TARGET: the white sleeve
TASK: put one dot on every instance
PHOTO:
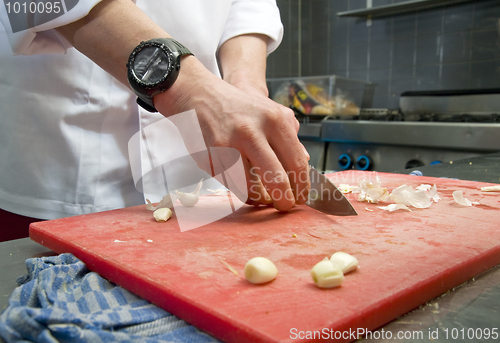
(43, 39)
(254, 16)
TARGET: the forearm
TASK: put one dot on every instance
(109, 33)
(243, 62)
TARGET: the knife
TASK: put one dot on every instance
(326, 197)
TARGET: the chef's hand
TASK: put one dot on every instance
(264, 132)
(243, 62)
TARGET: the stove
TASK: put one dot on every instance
(429, 128)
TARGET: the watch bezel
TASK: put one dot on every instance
(166, 79)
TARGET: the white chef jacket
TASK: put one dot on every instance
(65, 123)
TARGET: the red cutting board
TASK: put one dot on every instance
(406, 258)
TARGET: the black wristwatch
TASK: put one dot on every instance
(153, 67)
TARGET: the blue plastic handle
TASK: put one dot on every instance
(367, 162)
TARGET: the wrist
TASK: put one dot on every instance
(174, 100)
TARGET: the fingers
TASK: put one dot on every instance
(293, 157)
(257, 194)
(278, 160)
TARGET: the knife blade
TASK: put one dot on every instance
(326, 197)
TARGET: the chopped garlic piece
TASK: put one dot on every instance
(190, 199)
(371, 192)
(423, 187)
(162, 214)
(327, 274)
(347, 262)
(345, 188)
(394, 207)
(260, 270)
(458, 196)
(491, 189)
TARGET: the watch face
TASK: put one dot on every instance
(151, 65)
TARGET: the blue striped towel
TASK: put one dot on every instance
(60, 300)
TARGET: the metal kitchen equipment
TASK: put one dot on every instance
(429, 128)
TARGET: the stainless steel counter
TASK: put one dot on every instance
(387, 146)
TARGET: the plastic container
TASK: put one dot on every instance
(322, 95)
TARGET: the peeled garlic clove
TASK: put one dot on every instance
(189, 199)
(347, 262)
(260, 270)
(162, 214)
(327, 274)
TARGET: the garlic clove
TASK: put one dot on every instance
(162, 214)
(189, 199)
(260, 270)
(347, 262)
(326, 274)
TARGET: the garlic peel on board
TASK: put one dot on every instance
(490, 189)
(394, 207)
(410, 197)
(459, 198)
(190, 199)
(165, 202)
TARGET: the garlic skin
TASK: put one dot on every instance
(410, 197)
(394, 207)
(162, 214)
(190, 199)
(166, 201)
(347, 262)
(260, 270)
(326, 274)
(459, 198)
